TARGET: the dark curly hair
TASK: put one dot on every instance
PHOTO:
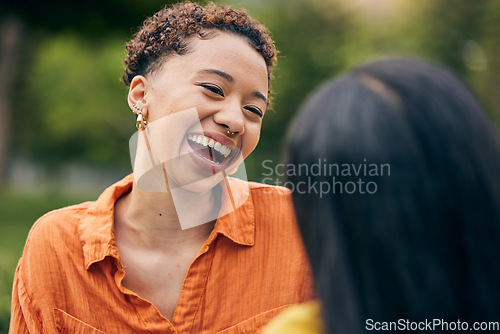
(167, 31)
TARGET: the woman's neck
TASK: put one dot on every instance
(151, 221)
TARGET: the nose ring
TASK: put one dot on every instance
(229, 131)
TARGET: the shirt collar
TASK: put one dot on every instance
(238, 224)
(96, 228)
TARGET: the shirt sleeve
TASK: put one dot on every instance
(23, 317)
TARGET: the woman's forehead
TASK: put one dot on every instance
(226, 46)
(225, 52)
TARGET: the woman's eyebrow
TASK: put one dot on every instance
(222, 74)
(230, 78)
(261, 96)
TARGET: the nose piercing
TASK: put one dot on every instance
(229, 131)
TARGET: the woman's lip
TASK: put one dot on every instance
(203, 163)
(224, 140)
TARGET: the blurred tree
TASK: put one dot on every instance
(308, 35)
(318, 39)
(464, 36)
(11, 32)
(76, 113)
(489, 87)
(445, 30)
(93, 19)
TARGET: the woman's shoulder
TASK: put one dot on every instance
(56, 227)
(267, 188)
(53, 242)
(267, 202)
(262, 189)
(270, 198)
(62, 216)
(63, 226)
(263, 196)
(257, 187)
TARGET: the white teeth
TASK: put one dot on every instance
(226, 151)
(205, 141)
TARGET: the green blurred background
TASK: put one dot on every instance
(65, 123)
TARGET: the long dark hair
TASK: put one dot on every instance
(421, 242)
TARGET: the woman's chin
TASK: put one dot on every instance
(195, 186)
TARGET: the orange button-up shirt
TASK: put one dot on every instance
(69, 278)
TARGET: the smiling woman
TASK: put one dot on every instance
(188, 249)
(225, 79)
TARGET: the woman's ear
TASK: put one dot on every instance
(137, 94)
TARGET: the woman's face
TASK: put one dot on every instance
(226, 81)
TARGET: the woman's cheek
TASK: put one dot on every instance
(251, 140)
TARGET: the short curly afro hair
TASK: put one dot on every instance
(167, 31)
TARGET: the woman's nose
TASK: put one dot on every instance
(232, 118)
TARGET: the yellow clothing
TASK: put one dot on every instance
(298, 319)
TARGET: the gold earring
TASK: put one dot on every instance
(140, 122)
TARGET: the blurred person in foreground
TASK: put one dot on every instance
(418, 243)
(177, 246)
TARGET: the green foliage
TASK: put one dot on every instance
(92, 19)
(74, 106)
(308, 39)
(318, 39)
(6, 274)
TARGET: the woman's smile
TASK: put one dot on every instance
(211, 151)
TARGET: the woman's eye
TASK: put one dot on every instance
(214, 89)
(254, 110)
